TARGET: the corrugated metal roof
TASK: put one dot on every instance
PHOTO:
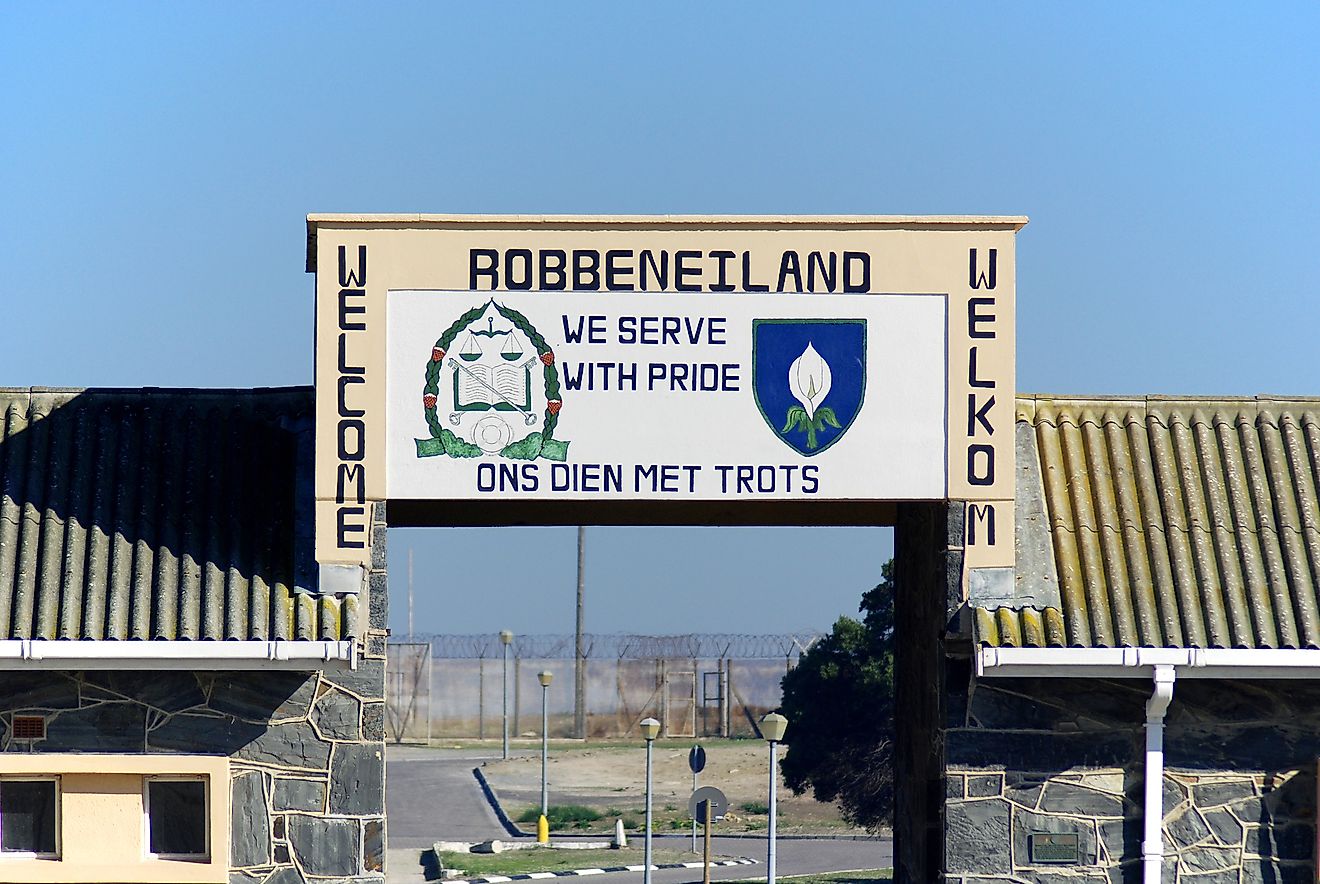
(1173, 523)
(160, 514)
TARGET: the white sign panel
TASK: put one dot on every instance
(505, 395)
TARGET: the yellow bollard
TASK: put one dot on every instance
(543, 830)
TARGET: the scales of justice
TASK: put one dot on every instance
(490, 381)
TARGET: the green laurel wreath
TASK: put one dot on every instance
(530, 447)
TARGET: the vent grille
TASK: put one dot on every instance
(29, 727)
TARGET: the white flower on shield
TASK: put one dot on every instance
(809, 379)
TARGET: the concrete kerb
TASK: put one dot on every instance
(503, 817)
(569, 873)
(761, 836)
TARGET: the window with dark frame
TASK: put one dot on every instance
(177, 818)
(28, 816)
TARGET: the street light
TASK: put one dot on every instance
(506, 639)
(773, 726)
(650, 730)
(543, 825)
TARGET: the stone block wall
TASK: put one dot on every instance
(307, 750)
(1066, 756)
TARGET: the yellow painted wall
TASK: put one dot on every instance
(102, 827)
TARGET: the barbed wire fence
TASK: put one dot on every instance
(696, 685)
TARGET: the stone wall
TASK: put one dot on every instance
(307, 749)
(1066, 756)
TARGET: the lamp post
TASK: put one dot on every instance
(650, 730)
(773, 726)
(506, 639)
(543, 825)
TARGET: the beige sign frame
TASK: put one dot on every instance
(359, 259)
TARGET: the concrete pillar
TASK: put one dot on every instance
(928, 577)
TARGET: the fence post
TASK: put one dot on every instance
(723, 679)
(517, 692)
(481, 698)
(664, 697)
(728, 680)
(696, 674)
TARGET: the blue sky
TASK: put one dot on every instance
(156, 162)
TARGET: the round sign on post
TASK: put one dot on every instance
(697, 759)
(708, 794)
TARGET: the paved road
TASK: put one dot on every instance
(431, 795)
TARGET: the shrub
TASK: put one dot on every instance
(755, 807)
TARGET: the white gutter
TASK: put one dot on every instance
(1152, 845)
(18, 654)
(1141, 662)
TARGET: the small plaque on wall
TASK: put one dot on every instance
(1052, 847)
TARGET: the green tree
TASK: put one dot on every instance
(839, 702)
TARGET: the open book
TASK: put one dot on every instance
(503, 387)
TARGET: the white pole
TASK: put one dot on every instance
(505, 753)
(770, 850)
(545, 745)
(694, 819)
(646, 853)
(1152, 845)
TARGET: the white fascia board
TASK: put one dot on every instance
(1141, 662)
(301, 655)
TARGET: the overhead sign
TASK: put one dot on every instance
(712, 361)
(517, 395)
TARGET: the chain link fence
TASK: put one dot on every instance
(696, 685)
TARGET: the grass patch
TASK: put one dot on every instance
(561, 816)
(755, 807)
(546, 859)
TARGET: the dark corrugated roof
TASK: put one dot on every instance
(1170, 523)
(160, 514)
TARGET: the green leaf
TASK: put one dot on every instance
(796, 415)
(527, 448)
(554, 449)
(826, 414)
(429, 447)
(456, 447)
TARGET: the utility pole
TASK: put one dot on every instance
(410, 595)
(579, 652)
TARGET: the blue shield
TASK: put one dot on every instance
(809, 377)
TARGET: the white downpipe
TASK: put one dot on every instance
(1152, 844)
